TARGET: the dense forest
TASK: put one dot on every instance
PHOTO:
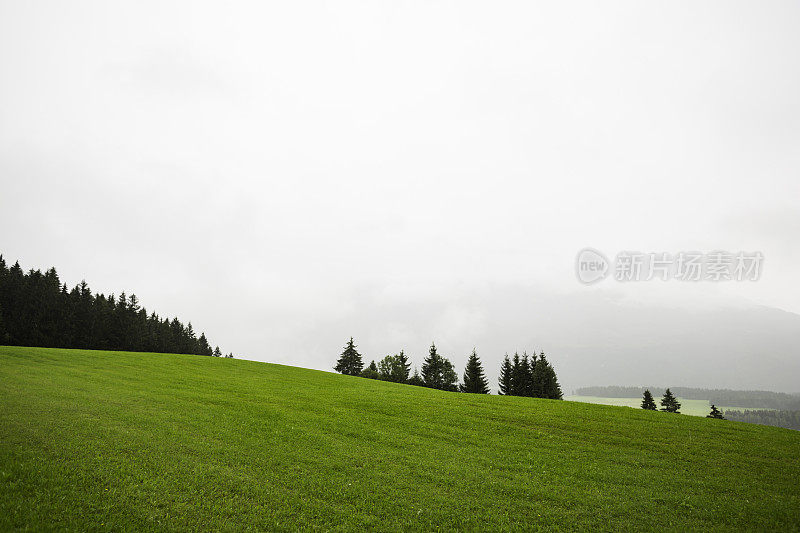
(37, 309)
(728, 397)
(523, 376)
(784, 419)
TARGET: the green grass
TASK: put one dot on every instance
(93, 440)
(688, 407)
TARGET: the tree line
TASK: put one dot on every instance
(780, 418)
(37, 309)
(534, 376)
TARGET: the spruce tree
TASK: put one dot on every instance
(517, 376)
(505, 376)
(406, 364)
(545, 379)
(648, 402)
(416, 379)
(670, 403)
(203, 347)
(350, 361)
(438, 372)
(474, 378)
(217, 353)
(533, 386)
(715, 413)
(526, 379)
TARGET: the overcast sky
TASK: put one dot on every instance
(265, 170)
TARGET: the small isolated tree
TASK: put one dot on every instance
(416, 379)
(670, 403)
(715, 413)
(474, 378)
(371, 371)
(438, 372)
(217, 353)
(648, 402)
(229, 356)
(505, 376)
(350, 362)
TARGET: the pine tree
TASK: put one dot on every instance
(229, 356)
(474, 378)
(403, 359)
(545, 379)
(416, 379)
(715, 413)
(517, 376)
(350, 361)
(533, 386)
(648, 402)
(438, 372)
(526, 378)
(670, 403)
(217, 353)
(203, 347)
(505, 376)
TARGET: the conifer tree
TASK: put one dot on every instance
(670, 403)
(203, 347)
(715, 413)
(474, 378)
(648, 402)
(517, 376)
(533, 386)
(350, 362)
(416, 379)
(438, 372)
(217, 353)
(526, 378)
(403, 359)
(545, 379)
(506, 371)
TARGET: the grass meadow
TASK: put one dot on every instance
(113, 441)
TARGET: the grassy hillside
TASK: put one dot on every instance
(96, 440)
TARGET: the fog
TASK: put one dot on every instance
(288, 176)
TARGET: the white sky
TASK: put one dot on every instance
(257, 168)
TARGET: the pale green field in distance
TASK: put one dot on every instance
(688, 407)
(120, 441)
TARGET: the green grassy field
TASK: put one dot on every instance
(688, 407)
(94, 440)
